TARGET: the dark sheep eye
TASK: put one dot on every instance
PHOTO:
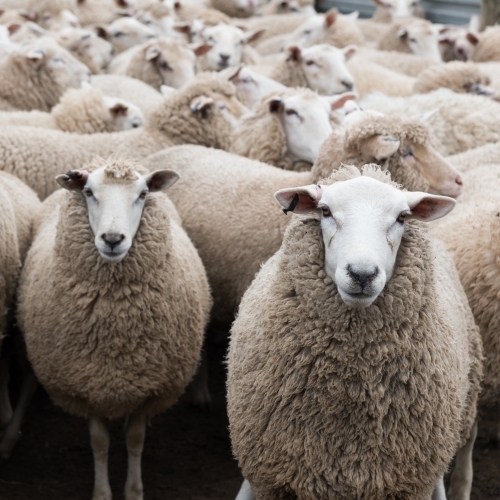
(88, 193)
(408, 151)
(290, 112)
(118, 34)
(164, 66)
(326, 212)
(401, 217)
(310, 63)
(143, 194)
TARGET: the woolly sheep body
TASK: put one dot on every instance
(488, 47)
(318, 392)
(143, 347)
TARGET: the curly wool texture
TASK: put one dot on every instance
(488, 48)
(326, 401)
(456, 75)
(109, 339)
(346, 147)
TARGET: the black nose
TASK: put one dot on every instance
(348, 85)
(224, 57)
(112, 240)
(362, 278)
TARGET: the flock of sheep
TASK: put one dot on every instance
(141, 143)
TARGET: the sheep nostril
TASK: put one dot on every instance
(459, 181)
(224, 57)
(112, 240)
(348, 85)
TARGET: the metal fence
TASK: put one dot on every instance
(438, 11)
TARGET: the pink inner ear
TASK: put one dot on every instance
(428, 207)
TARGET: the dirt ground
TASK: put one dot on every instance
(187, 454)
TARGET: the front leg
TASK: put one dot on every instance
(99, 439)
(439, 492)
(135, 434)
(245, 492)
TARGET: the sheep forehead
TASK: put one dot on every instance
(115, 173)
(323, 51)
(225, 32)
(307, 102)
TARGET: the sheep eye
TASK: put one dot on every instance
(401, 217)
(310, 63)
(326, 212)
(118, 34)
(306, 32)
(164, 65)
(413, 40)
(88, 193)
(143, 194)
(211, 40)
(408, 151)
(291, 112)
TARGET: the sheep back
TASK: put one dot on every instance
(107, 340)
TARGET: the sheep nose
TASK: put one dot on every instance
(112, 240)
(348, 85)
(459, 181)
(224, 57)
(362, 278)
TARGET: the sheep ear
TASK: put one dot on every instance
(295, 53)
(381, 3)
(428, 207)
(338, 101)
(253, 36)
(299, 200)
(425, 117)
(118, 109)
(101, 32)
(472, 38)
(122, 3)
(230, 73)
(402, 32)
(201, 103)
(73, 180)
(161, 180)
(152, 53)
(349, 51)
(28, 15)
(183, 27)
(331, 17)
(166, 91)
(474, 23)
(200, 50)
(36, 56)
(380, 147)
(12, 28)
(275, 105)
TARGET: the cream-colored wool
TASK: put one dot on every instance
(136, 62)
(235, 8)
(82, 111)
(328, 401)
(130, 89)
(488, 48)
(54, 14)
(343, 32)
(462, 121)
(189, 11)
(92, 12)
(241, 228)
(31, 79)
(373, 31)
(392, 42)
(470, 159)
(138, 345)
(50, 152)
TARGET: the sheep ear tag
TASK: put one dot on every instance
(300, 200)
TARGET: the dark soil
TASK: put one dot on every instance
(187, 455)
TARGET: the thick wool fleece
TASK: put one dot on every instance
(274, 25)
(189, 11)
(488, 48)
(51, 152)
(326, 401)
(470, 159)
(229, 8)
(343, 32)
(52, 6)
(347, 147)
(456, 75)
(391, 41)
(462, 122)
(109, 339)
(24, 86)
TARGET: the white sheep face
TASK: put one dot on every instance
(56, 22)
(123, 115)
(362, 222)
(398, 9)
(115, 206)
(310, 32)
(126, 32)
(422, 39)
(325, 68)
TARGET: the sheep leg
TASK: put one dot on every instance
(461, 478)
(12, 432)
(99, 439)
(5, 406)
(439, 491)
(245, 492)
(135, 434)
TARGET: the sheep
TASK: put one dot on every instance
(125, 32)
(111, 242)
(124, 87)
(320, 67)
(19, 205)
(482, 155)
(87, 47)
(233, 248)
(159, 17)
(235, 8)
(228, 47)
(318, 385)
(485, 44)
(287, 128)
(389, 11)
(36, 75)
(413, 36)
(159, 62)
(55, 15)
(458, 121)
(190, 11)
(83, 111)
(275, 7)
(92, 12)
(203, 112)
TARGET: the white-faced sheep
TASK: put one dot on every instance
(111, 242)
(233, 244)
(159, 62)
(389, 11)
(485, 44)
(413, 36)
(275, 7)
(235, 8)
(83, 111)
(203, 112)
(336, 354)
(36, 75)
(287, 128)
(19, 206)
(320, 67)
(54, 15)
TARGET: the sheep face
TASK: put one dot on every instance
(115, 204)
(422, 39)
(398, 9)
(55, 22)
(310, 32)
(228, 43)
(362, 221)
(126, 32)
(123, 115)
(324, 67)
